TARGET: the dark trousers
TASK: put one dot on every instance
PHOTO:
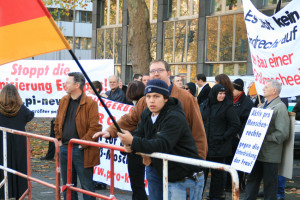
(51, 146)
(228, 181)
(262, 171)
(136, 170)
(216, 190)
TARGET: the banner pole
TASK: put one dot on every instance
(95, 91)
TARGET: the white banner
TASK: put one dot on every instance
(41, 82)
(274, 42)
(102, 171)
(252, 139)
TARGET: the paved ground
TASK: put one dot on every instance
(45, 170)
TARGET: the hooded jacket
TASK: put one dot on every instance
(221, 123)
(192, 116)
(169, 134)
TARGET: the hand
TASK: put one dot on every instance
(146, 160)
(104, 95)
(125, 137)
(128, 148)
(104, 134)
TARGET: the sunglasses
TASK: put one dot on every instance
(186, 88)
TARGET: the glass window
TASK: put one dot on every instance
(226, 36)
(231, 4)
(184, 7)
(83, 43)
(216, 5)
(100, 44)
(105, 13)
(89, 43)
(173, 6)
(214, 69)
(153, 41)
(66, 16)
(70, 41)
(77, 43)
(242, 69)
(180, 30)
(192, 40)
(241, 41)
(154, 14)
(89, 17)
(113, 12)
(118, 45)
(109, 43)
(182, 71)
(228, 69)
(212, 39)
(168, 42)
(193, 73)
(120, 11)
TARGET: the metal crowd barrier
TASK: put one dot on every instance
(163, 156)
(28, 193)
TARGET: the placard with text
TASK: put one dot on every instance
(252, 139)
(41, 83)
(274, 45)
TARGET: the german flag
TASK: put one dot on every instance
(27, 29)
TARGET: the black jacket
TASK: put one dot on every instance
(221, 124)
(169, 134)
(242, 108)
(203, 94)
(296, 110)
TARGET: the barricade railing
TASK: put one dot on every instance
(28, 176)
(163, 156)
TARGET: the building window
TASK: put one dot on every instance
(61, 14)
(183, 8)
(186, 72)
(180, 41)
(231, 69)
(109, 44)
(221, 6)
(226, 39)
(152, 7)
(82, 43)
(83, 16)
(112, 12)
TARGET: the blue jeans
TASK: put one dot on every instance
(281, 186)
(155, 184)
(85, 174)
(177, 190)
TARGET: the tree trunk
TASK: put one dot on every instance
(139, 35)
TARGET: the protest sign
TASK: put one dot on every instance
(273, 42)
(102, 171)
(41, 83)
(252, 139)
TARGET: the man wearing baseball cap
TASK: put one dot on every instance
(163, 128)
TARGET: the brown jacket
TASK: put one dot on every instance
(87, 124)
(192, 114)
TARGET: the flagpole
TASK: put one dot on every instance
(94, 89)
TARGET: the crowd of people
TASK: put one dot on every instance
(192, 120)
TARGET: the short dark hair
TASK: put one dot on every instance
(137, 76)
(167, 66)
(202, 77)
(78, 78)
(97, 85)
(135, 90)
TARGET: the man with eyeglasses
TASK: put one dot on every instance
(159, 69)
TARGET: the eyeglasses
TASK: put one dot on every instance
(157, 70)
(186, 88)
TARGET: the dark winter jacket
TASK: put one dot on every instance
(203, 94)
(169, 134)
(221, 124)
(296, 110)
(242, 108)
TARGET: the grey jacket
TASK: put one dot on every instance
(277, 133)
